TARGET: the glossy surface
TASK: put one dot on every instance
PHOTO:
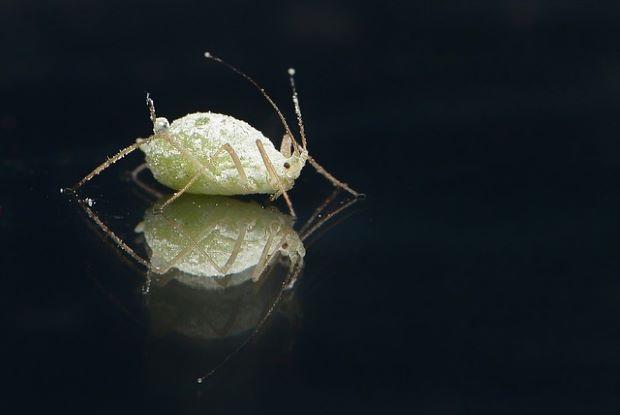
(481, 275)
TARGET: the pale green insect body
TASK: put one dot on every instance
(195, 143)
(216, 154)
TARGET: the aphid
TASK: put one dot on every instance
(216, 154)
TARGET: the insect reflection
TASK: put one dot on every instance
(217, 266)
(218, 237)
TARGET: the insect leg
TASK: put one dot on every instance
(233, 154)
(258, 269)
(236, 250)
(135, 177)
(319, 210)
(119, 242)
(274, 176)
(321, 170)
(309, 230)
(193, 245)
(225, 147)
(202, 168)
(109, 162)
(178, 193)
(122, 153)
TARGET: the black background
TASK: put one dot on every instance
(479, 276)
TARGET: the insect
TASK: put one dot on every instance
(216, 154)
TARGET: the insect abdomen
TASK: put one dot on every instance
(189, 145)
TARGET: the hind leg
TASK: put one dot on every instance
(110, 161)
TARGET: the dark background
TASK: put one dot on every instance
(479, 276)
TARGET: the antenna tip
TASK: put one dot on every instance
(208, 55)
(291, 71)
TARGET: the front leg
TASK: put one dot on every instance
(274, 176)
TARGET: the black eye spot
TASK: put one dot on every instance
(287, 166)
(284, 245)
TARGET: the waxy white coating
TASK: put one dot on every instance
(199, 136)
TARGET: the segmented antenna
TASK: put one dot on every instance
(208, 55)
(302, 130)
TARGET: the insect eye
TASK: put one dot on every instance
(287, 166)
(284, 245)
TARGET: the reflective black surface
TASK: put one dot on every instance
(480, 275)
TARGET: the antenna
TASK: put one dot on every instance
(209, 55)
(302, 130)
(151, 106)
